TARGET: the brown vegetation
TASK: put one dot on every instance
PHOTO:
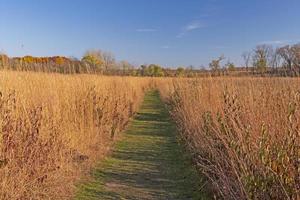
(244, 133)
(54, 126)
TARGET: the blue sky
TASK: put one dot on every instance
(166, 32)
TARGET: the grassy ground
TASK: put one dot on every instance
(147, 163)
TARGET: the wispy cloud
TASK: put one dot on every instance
(165, 47)
(274, 42)
(146, 30)
(279, 42)
(194, 25)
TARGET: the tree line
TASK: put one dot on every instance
(262, 60)
(92, 62)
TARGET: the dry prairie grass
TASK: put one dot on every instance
(53, 126)
(244, 133)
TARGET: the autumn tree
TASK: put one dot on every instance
(157, 70)
(28, 59)
(58, 60)
(180, 71)
(261, 57)
(215, 65)
(152, 70)
(94, 58)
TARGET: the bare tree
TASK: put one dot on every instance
(126, 67)
(291, 58)
(274, 60)
(247, 58)
(215, 65)
(109, 60)
(296, 51)
(229, 66)
(261, 58)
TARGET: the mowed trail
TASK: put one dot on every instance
(147, 164)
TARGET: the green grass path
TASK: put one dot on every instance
(147, 163)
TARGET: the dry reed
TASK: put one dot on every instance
(53, 126)
(244, 133)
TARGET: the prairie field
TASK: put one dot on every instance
(54, 127)
(150, 100)
(243, 133)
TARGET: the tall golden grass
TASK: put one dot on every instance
(244, 133)
(53, 126)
